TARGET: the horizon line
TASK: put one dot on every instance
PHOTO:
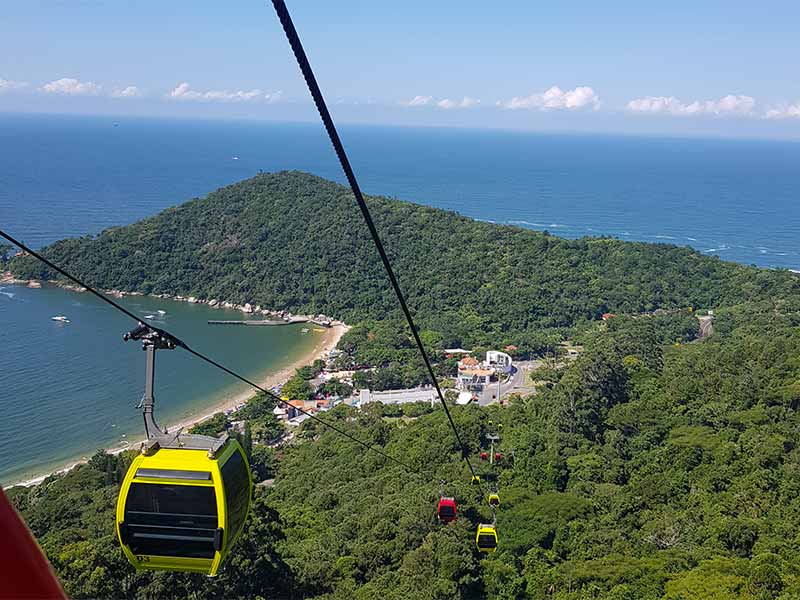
(351, 123)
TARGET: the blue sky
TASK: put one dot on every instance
(679, 68)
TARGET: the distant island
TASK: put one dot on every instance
(649, 450)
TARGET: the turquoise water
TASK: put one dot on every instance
(68, 389)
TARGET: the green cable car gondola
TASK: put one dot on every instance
(185, 498)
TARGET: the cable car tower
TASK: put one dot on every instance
(492, 456)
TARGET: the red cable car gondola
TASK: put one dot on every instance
(484, 456)
(498, 456)
(446, 510)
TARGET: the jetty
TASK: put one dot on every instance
(271, 322)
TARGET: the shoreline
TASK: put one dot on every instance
(329, 340)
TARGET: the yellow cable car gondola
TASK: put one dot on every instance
(179, 509)
(185, 498)
(494, 500)
(486, 538)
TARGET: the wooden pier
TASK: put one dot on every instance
(270, 322)
(254, 323)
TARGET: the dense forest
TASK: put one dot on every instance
(655, 466)
(648, 469)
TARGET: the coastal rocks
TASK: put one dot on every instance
(65, 286)
(247, 308)
(7, 277)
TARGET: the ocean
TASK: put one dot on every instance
(67, 176)
(69, 389)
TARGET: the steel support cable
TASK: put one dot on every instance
(181, 344)
(322, 108)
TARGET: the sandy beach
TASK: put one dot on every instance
(328, 340)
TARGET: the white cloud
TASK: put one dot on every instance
(130, 91)
(727, 105)
(555, 98)
(419, 101)
(184, 92)
(9, 86)
(792, 111)
(467, 102)
(72, 87)
(445, 103)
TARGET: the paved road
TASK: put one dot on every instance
(706, 326)
(518, 382)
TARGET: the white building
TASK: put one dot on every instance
(499, 361)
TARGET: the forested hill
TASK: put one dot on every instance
(641, 471)
(294, 241)
(644, 469)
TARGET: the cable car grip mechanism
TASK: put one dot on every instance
(154, 339)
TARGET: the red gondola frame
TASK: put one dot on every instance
(446, 510)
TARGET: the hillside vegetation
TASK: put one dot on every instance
(292, 241)
(646, 471)
(653, 467)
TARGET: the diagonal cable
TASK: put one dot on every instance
(73, 279)
(181, 344)
(322, 108)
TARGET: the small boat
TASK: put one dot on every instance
(149, 316)
(235, 158)
(60, 319)
(161, 312)
(304, 330)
